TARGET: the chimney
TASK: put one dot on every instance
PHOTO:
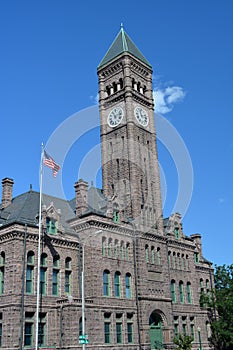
(197, 239)
(7, 187)
(81, 195)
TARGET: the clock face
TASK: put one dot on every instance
(141, 116)
(115, 117)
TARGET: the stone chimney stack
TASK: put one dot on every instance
(7, 187)
(197, 239)
(81, 194)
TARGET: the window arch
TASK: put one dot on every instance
(68, 272)
(189, 293)
(117, 284)
(181, 291)
(30, 272)
(2, 272)
(173, 290)
(128, 283)
(106, 283)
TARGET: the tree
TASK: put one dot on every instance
(221, 308)
(184, 342)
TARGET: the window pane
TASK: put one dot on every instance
(130, 332)
(107, 332)
(119, 332)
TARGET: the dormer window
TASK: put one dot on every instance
(51, 225)
(177, 232)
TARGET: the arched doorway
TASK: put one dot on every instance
(156, 331)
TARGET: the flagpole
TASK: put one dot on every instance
(39, 249)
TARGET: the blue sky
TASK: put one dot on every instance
(49, 54)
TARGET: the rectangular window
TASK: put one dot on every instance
(42, 281)
(130, 332)
(107, 328)
(41, 329)
(192, 331)
(107, 338)
(196, 258)
(1, 280)
(28, 328)
(176, 325)
(117, 288)
(119, 332)
(29, 279)
(128, 293)
(67, 281)
(55, 282)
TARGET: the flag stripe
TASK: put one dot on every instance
(50, 162)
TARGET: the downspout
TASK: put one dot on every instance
(23, 289)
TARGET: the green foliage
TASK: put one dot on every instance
(184, 342)
(221, 312)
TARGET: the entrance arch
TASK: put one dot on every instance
(156, 331)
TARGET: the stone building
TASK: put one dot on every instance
(143, 277)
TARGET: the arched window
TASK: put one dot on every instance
(173, 291)
(109, 246)
(56, 266)
(127, 251)
(30, 272)
(189, 293)
(169, 258)
(43, 273)
(116, 248)
(178, 261)
(2, 272)
(103, 246)
(68, 272)
(128, 290)
(147, 253)
(152, 255)
(187, 262)
(117, 284)
(106, 283)
(177, 232)
(158, 256)
(182, 262)
(122, 250)
(181, 291)
(174, 260)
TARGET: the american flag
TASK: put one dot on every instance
(50, 162)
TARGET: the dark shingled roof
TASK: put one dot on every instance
(25, 207)
(121, 44)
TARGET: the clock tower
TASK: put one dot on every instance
(130, 171)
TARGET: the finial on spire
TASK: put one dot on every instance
(122, 26)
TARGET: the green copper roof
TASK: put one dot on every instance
(123, 43)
